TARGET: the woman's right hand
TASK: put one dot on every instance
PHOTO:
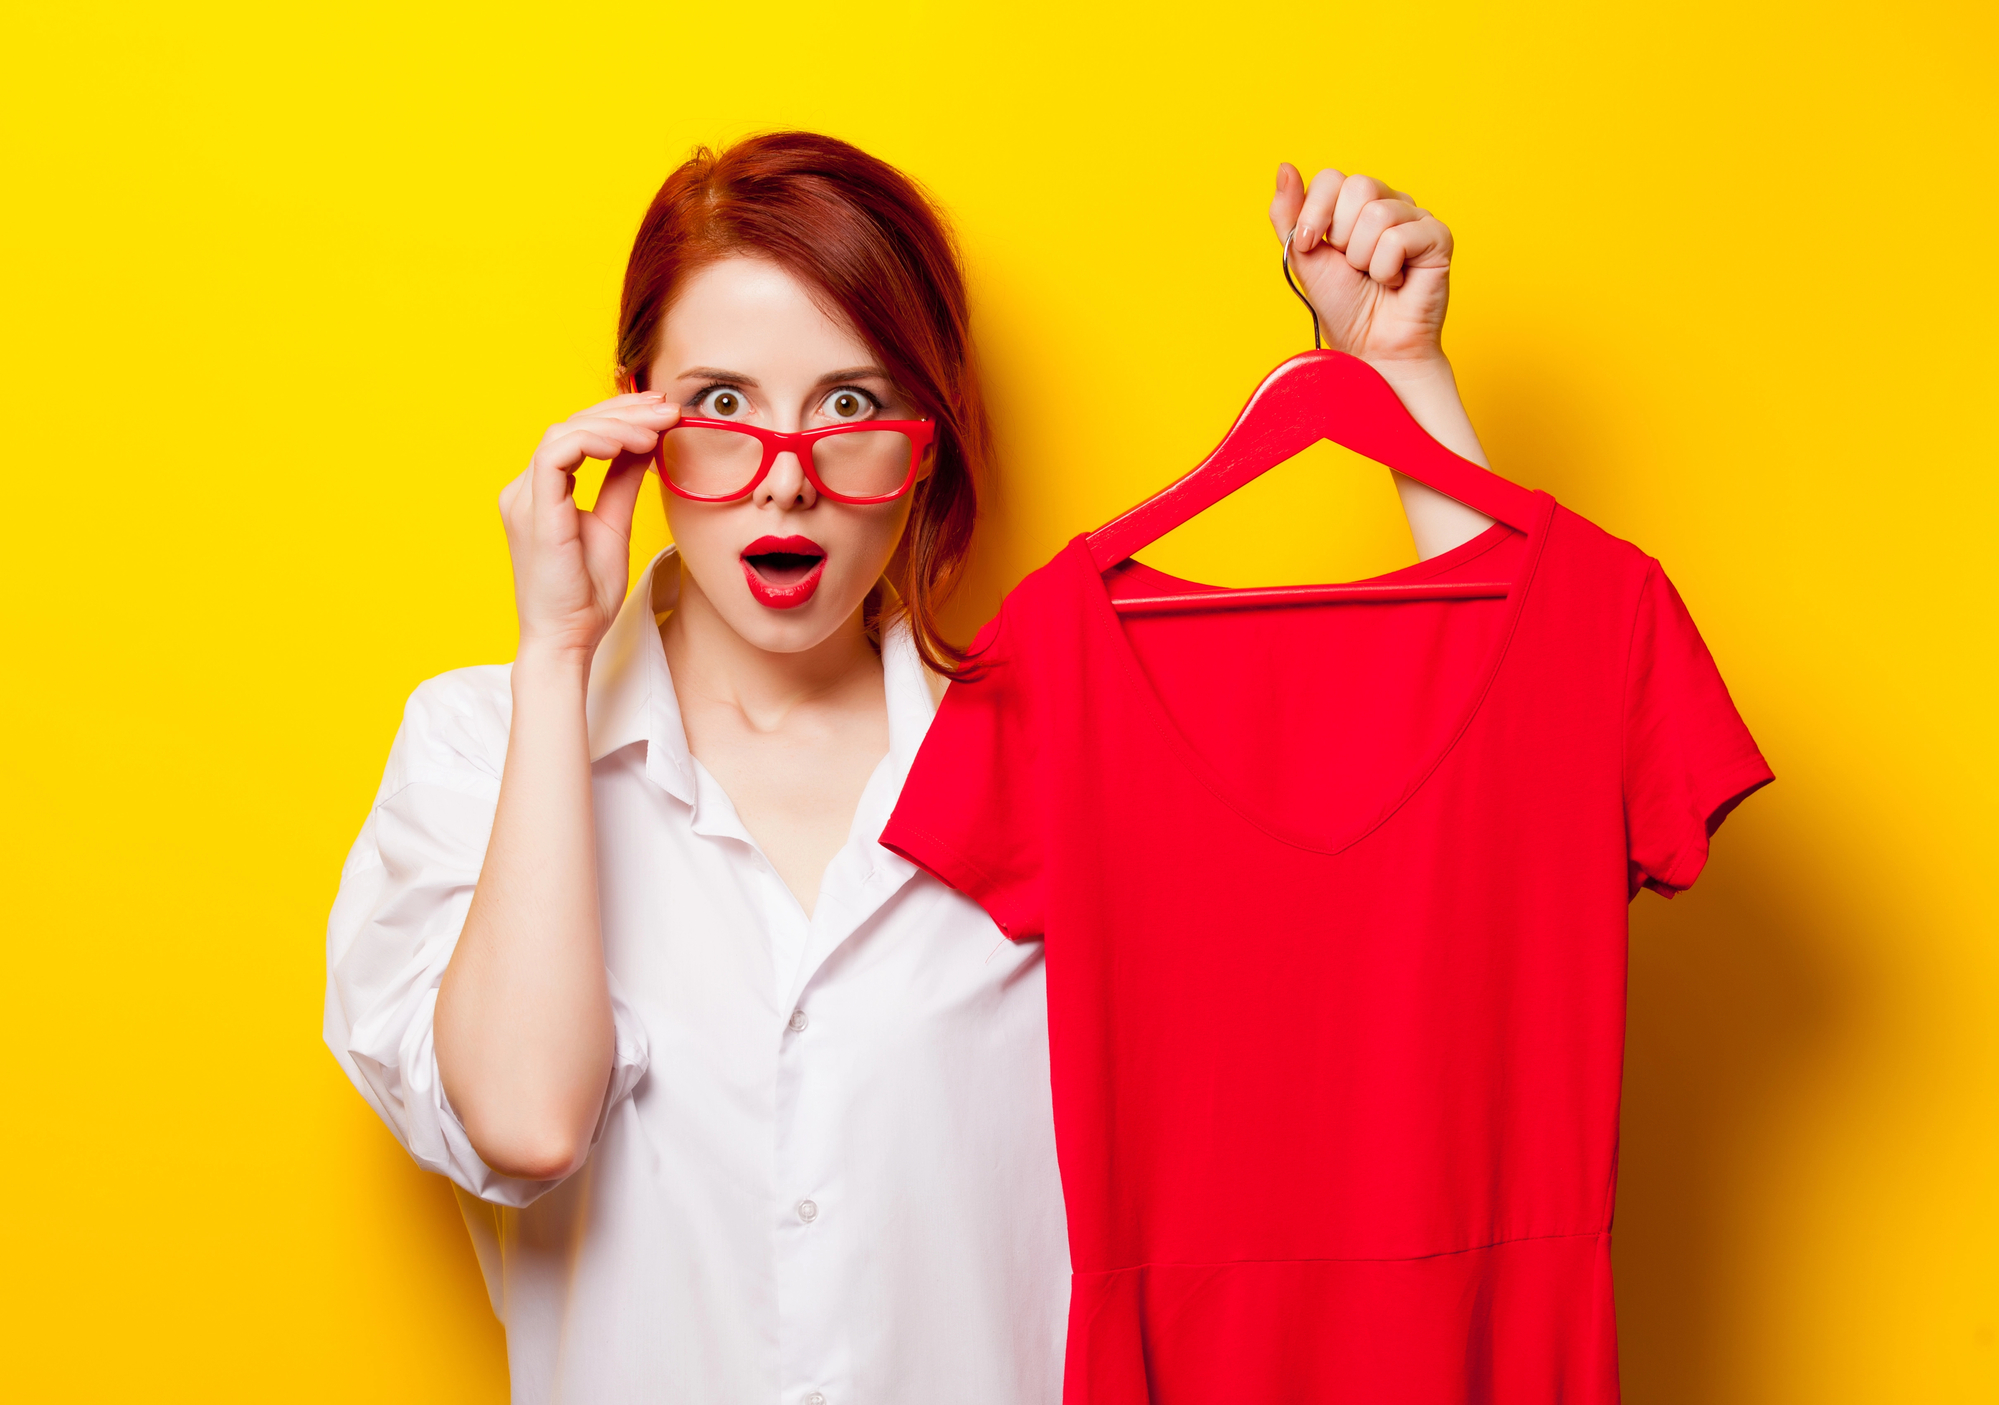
(571, 566)
(524, 1028)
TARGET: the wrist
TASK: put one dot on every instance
(1429, 366)
(545, 663)
(1428, 390)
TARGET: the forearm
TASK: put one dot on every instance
(1429, 391)
(523, 1028)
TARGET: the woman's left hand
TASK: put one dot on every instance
(1376, 266)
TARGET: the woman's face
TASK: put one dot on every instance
(783, 566)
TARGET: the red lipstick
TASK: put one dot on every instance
(783, 571)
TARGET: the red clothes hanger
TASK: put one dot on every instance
(1315, 395)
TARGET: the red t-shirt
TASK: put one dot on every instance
(1334, 901)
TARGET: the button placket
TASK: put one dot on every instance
(806, 1257)
(814, 1249)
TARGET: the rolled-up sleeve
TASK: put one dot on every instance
(403, 896)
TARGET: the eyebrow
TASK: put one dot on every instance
(713, 373)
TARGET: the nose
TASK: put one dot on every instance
(786, 485)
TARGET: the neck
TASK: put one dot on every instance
(713, 664)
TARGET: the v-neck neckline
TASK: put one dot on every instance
(1104, 611)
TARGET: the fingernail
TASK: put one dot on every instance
(1305, 240)
(1280, 175)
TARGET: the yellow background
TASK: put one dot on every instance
(291, 290)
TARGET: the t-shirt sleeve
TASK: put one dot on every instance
(1688, 758)
(968, 809)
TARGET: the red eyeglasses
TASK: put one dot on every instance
(868, 461)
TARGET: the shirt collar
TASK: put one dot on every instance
(631, 697)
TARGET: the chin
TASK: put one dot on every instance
(793, 629)
(791, 637)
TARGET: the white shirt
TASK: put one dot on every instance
(825, 1173)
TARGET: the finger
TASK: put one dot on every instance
(617, 500)
(638, 426)
(569, 443)
(1422, 243)
(653, 414)
(639, 429)
(555, 474)
(642, 399)
(1288, 201)
(518, 490)
(1355, 196)
(1368, 224)
(1317, 211)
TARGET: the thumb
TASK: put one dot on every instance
(617, 500)
(1288, 201)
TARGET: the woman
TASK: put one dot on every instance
(741, 1105)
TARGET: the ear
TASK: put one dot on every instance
(927, 463)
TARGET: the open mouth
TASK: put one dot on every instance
(783, 571)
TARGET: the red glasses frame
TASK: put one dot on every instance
(921, 434)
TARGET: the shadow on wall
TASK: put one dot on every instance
(1736, 1007)
(411, 1241)
(1740, 1008)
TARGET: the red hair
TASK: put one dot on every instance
(867, 238)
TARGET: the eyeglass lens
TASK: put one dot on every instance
(716, 463)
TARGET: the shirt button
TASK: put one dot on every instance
(798, 1023)
(807, 1211)
(815, 1399)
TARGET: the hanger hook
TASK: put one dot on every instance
(1294, 288)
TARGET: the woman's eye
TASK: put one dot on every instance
(721, 404)
(847, 405)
